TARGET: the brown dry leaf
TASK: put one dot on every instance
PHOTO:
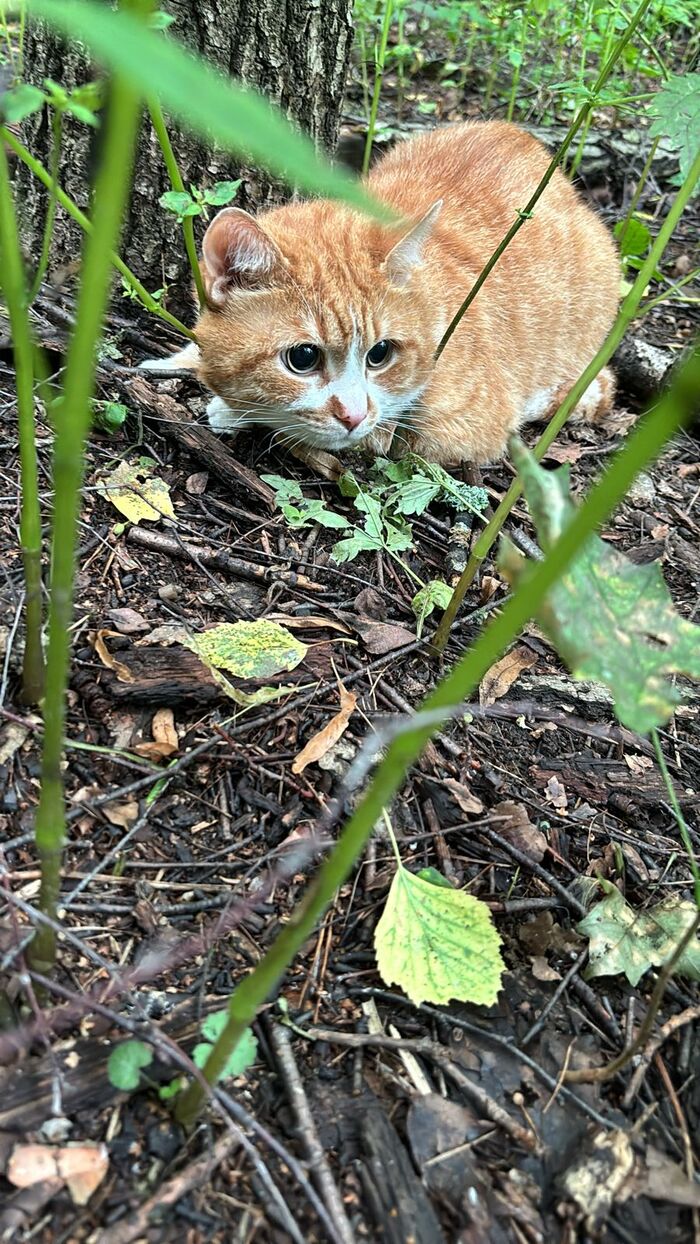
(307, 620)
(543, 971)
(660, 532)
(165, 740)
(82, 1167)
(688, 468)
(12, 736)
(128, 621)
(327, 465)
(463, 797)
(519, 830)
(564, 453)
(97, 638)
(326, 738)
(196, 484)
(638, 764)
(500, 678)
(121, 814)
(381, 637)
(555, 794)
(489, 586)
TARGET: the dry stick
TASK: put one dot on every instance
(626, 314)
(282, 1045)
(524, 214)
(667, 1030)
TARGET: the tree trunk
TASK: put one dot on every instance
(296, 54)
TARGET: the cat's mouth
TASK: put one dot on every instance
(334, 436)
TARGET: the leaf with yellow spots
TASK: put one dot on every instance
(137, 494)
(249, 649)
(609, 619)
(438, 943)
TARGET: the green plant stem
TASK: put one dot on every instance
(56, 137)
(525, 213)
(670, 292)
(626, 314)
(37, 168)
(638, 192)
(524, 19)
(643, 444)
(678, 813)
(379, 62)
(171, 164)
(12, 283)
(72, 418)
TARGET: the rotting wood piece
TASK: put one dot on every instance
(395, 1195)
(196, 439)
(158, 542)
(163, 676)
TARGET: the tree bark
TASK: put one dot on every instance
(295, 53)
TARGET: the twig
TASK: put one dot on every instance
(672, 1025)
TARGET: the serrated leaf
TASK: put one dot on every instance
(398, 535)
(435, 594)
(629, 942)
(137, 495)
(610, 620)
(677, 111)
(20, 102)
(250, 649)
(416, 494)
(358, 542)
(125, 1062)
(438, 944)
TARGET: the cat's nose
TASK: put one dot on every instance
(351, 416)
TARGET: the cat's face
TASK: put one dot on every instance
(314, 324)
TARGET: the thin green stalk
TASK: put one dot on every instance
(671, 292)
(644, 444)
(524, 18)
(12, 283)
(56, 140)
(37, 168)
(379, 61)
(638, 192)
(626, 314)
(526, 212)
(677, 812)
(170, 159)
(72, 419)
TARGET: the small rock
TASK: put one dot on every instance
(164, 1140)
(643, 490)
(169, 591)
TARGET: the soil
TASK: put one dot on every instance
(384, 1121)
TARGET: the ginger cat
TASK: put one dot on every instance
(322, 323)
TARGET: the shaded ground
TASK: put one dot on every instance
(174, 889)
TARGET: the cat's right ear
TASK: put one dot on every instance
(236, 254)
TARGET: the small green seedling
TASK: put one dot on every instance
(196, 202)
(127, 1061)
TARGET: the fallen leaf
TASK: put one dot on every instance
(97, 639)
(196, 484)
(138, 495)
(324, 739)
(12, 736)
(500, 678)
(303, 621)
(327, 465)
(165, 740)
(370, 604)
(380, 637)
(564, 453)
(688, 468)
(596, 1178)
(81, 1167)
(519, 830)
(249, 649)
(121, 814)
(463, 797)
(128, 621)
(542, 970)
(638, 764)
(555, 793)
(489, 586)
(623, 940)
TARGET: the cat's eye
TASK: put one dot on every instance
(380, 353)
(302, 359)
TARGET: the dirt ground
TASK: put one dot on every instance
(388, 1121)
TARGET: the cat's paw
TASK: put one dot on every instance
(221, 418)
(183, 360)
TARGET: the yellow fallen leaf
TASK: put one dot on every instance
(324, 739)
(137, 495)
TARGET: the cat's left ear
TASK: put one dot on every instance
(407, 254)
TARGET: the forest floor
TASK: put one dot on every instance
(189, 848)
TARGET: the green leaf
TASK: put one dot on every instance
(637, 237)
(298, 510)
(609, 619)
(415, 495)
(629, 942)
(434, 877)
(166, 1091)
(110, 415)
(236, 118)
(676, 108)
(397, 535)
(242, 1057)
(160, 20)
(222, 192)
(435, 594)
(250, 649)
(125, 1062)
(358, 542)
(20, 102)
(179, 202)
(438, 944)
